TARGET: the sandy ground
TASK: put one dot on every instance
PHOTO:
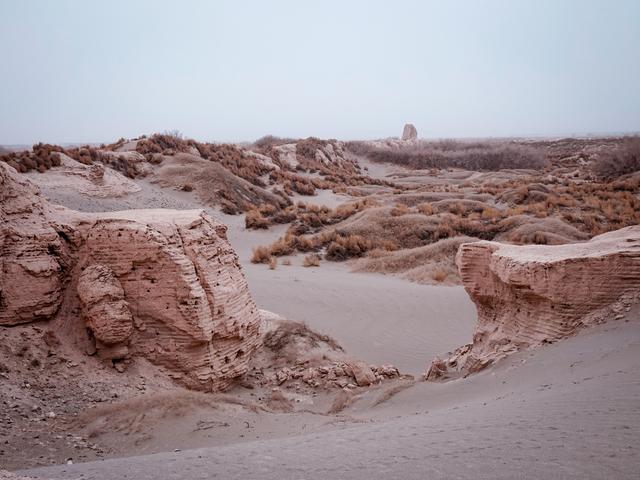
(380, 319)
(569, 410)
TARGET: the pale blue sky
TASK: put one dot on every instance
(89, 71)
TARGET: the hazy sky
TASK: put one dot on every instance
(89, 71)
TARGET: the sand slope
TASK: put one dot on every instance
(569, 410)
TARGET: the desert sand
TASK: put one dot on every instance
(569, 409)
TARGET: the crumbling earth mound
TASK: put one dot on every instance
(531, 295)
(162, 285)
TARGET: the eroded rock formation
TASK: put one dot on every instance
(409, 132)
(164, 285)
(105, 310)
(31, 275)
(535, 294)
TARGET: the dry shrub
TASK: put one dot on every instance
(344, 247)
(490, 213)
(167, 143)
(41, 157)
(399, 210)
(312, 260)
(387, 245)
(261, 255)
(283, 246)
(306, 244)
(426, 209)
(458, 208)
(439, 275)
(254, 220)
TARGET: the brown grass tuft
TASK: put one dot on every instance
(261, 255)
(439, 275)
(312, 260)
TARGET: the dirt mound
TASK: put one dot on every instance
(213, 184)
(294, 357)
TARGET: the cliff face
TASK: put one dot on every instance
(31, 273)
(164, 285)
(531, 295)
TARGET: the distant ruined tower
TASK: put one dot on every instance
(409, 132)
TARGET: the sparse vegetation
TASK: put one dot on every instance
(450, 153)
(311, 260)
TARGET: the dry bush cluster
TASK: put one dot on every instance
(525, 214)
(292, 182)
(477, 156)
(41, 157)
(235, 160)
(311, 260)
(591, 207)
(304, 217)
(165, 143)
(337, 246)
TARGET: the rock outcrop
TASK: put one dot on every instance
(163, 285)
(32, 258)
(409, 132)
(536, 294)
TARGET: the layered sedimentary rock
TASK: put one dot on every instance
(160, 284)
(31, 273)
(531, 295)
